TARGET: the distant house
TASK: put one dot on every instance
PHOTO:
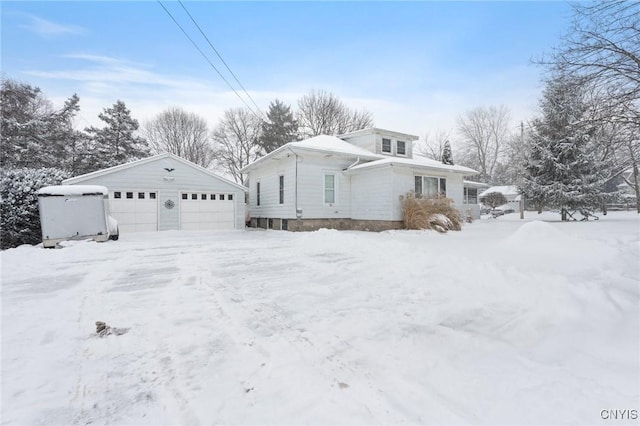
(471, 202)
(354, 181)
(167, 192)
(510, 192)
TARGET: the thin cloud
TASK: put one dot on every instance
(47, 29)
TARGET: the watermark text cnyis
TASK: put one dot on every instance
(618, 414)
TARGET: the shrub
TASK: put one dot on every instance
(495, 199)
(19, 216)
(438, 213)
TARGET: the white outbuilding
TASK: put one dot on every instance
(166, 192)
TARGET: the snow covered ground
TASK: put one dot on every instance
(506, 322)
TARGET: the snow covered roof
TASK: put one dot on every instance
(504, 190)
(322, 144)
(82, 178)
(73, 190)
(473, 184)
(417, 161)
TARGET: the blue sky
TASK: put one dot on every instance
(415, 65)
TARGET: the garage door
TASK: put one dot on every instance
(135, 211)
(206, 211)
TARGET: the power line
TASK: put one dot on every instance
(219, 56)
(207, 59)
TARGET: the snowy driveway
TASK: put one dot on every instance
(504, 322)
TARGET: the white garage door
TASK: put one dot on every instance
(206, 211)
(135, 211)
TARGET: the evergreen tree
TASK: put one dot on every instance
(447, 155)
(34, 133)
(280, 129)
(116, 143)
(562, 168)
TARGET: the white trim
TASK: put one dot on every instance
(431, 177)
(405, 148)
(335, 187)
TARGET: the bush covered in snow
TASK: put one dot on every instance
(438, 213)
(20, 219)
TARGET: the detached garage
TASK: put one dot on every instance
(167, 192)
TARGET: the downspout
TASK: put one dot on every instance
(295, 182)
(354, 164)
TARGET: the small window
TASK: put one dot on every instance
(329, 188)
(230, 197)
(281, 184)
(152, 195)
(443, 187)
(418, 185)
(203, 196)
(386, 145)
(221, 197)
(129, 194)
(401, 148)
(257, 193)
(140, 195)
(212, 196)
(185, 196)
(270, 224)
(117, 194)
(284, 225)
(194, 196)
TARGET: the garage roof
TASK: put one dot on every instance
(103, 172)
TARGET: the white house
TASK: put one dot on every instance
(167, 192)
(354, 181)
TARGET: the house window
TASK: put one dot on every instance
(129, 194)
(185, 196)
(471, 195)
(401, 148)
(230, 197)
(221, 197)
(257, 193)
(140, 195)
(117, 194)
(152, 195)
(281, 192)
(212, 196)
(194, 196)
(203, 196)
(329, 188)
(430, 186)
(386, 145)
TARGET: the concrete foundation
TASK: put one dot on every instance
(302, 225)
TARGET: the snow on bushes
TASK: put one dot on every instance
(438, 213)
(20, 219)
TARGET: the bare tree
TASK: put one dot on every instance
(322, 113)
(237, 141)
(432, 146)
(182, 133)
(484, 131)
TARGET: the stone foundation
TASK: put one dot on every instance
(305, 225)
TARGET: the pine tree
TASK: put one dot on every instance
(447, 155)
(116, 143)
(562, 169)
(281, 127)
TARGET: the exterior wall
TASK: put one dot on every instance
(311, 169)
(268, 176)
(394, 141)
(367, 142)
(404, 181)
(151, 177)
(373, 142)
(372, 193)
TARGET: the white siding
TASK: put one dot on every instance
(367, 142)
(403, 182)
(268, 176)
(151, 177)
(372, 195)
(311, 187)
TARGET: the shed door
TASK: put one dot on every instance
(135, 211)
(206, 211)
